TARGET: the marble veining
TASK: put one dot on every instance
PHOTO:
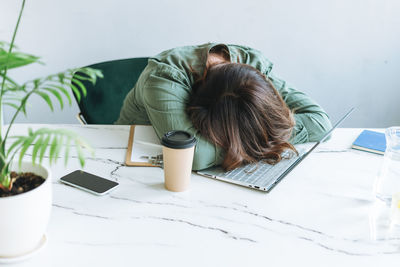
(150, 202)
(322, 213)
(225, 232)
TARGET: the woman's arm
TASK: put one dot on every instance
(312, 122)
(165, 99)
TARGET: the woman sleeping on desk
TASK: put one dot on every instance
(229, 99)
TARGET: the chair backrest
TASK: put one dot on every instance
(104, 100)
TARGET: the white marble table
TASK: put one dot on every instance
(319, 215)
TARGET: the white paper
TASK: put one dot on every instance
(145, 143)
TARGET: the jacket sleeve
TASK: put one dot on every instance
(312, 122)
(165, 97)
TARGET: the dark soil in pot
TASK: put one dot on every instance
(24, 182)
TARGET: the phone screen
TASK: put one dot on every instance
(88, 182)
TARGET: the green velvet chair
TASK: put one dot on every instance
(104, 99)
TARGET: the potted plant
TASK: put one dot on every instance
(25, 186)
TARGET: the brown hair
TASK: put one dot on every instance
(237, 108)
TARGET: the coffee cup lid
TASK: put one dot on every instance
(178, 139)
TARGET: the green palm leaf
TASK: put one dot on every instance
(16, 59)
(76, 92)
(80, 154)
(25, 145)
(62, 90)
(56, 94)
(9, 80)
(36, 147)
(15, 144)
(53, 148)
(48, 140)
(45, 98)
(11, 105)
(67, 151)
(59, 147)
(42, 141)
(44, 147)
(80, 85)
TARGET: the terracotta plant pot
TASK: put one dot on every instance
(24, 217)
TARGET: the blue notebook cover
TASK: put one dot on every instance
(371, 141)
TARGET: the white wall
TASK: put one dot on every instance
(341, 52)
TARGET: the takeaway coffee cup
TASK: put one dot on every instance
(178, 151)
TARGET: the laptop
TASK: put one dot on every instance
(263, 176)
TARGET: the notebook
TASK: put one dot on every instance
(264, 176)
(144, 147)
(370, 141)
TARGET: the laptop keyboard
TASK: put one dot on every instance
(260, 174)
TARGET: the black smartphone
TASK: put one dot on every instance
(88, 182)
